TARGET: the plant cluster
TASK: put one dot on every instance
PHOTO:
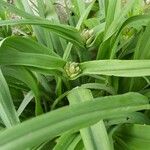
(74, 75)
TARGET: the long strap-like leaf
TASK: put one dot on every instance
(47, 126)
(94, 137)
(122, 68)
(67, 32)
(7, 110)
(32, 60)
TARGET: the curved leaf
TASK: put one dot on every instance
(7, 110)
(26, 45)
(47, 126)
(67, 32)
(135, 136)
(40, 61)
(29, 79)
(94, 137)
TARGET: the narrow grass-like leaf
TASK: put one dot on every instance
(118, 21)
(135, 136)
(28, 97)
(111, 12)
(141, 20)
(142, 51)
(68, 140)
(79, 6)
(122, 68)
(102, 8)
(17, 11)
(36, 131)
(94, 137)
(31, 60)
(78, 26)
(84, 15)
(29, 79)
(26, 45)
(136, 117)
(7, 110)
(98, 86)
(75, 142)
(67, 32)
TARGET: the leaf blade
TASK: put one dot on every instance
(36, 130)
(122, 68)
(7, 111)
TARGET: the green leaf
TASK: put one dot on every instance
(7, 110)
(79, 6)
(26, 11)
(67, 32)
(135, 136)
(47, 126)
(27, 45)
(94, 137)
(98, 86)
(122, 68)
(140, 20)
(136, 117)
(68, 141)
(78, 26)
(29, 79)
(142, 50)
(17, 11)
(102, 8)
(39, 61)
(111, 12)
(28, 97)
(118, 21)
(84, 15)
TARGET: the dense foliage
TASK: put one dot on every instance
(74, 75)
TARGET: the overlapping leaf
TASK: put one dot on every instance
(47, 126)
(67, 32)
(7, 109)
